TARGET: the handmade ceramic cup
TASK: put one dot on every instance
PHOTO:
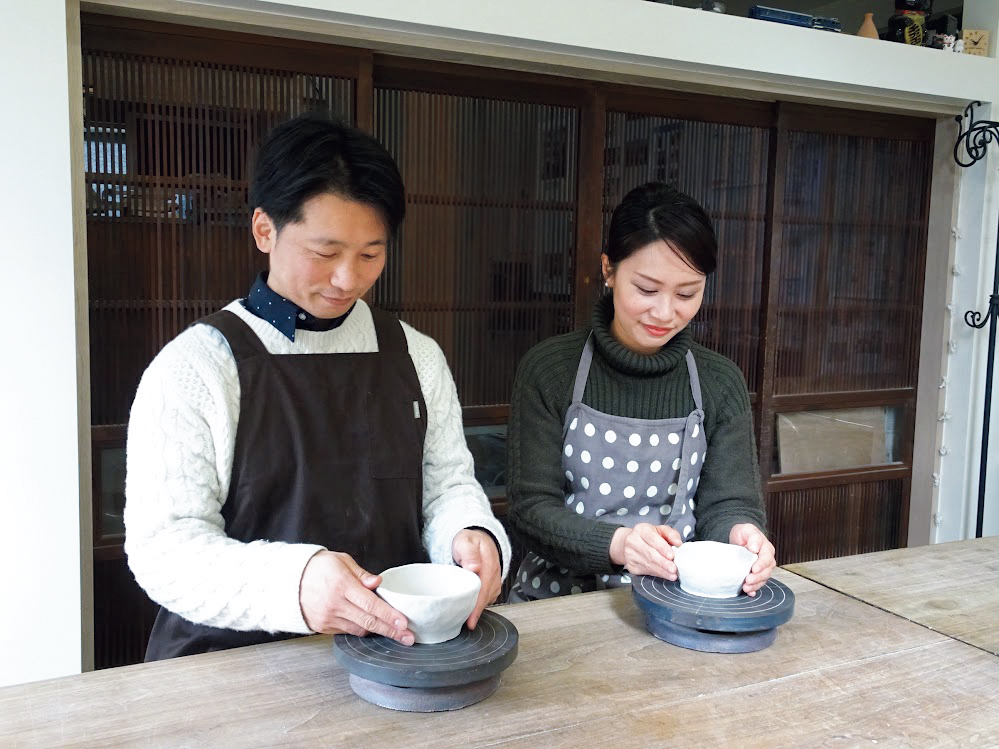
(713, 570)
(435, 598)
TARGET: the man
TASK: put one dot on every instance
(298, 441)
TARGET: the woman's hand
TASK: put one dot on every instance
(476, 551)
(646, 549)
(748, 535)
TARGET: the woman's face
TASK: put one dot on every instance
(655, 295)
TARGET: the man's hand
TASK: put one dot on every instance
(646, 549)
(336, 598)
(476, 551)
(748, 535)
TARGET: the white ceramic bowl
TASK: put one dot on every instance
(711, 569)
(436, 598)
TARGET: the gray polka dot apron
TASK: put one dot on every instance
(621, 470)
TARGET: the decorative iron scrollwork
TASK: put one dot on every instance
(972, 144)
(977, 319)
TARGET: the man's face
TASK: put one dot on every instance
(329, 259)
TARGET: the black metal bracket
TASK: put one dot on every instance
(973, 143)
(977, 320)
(971, 147)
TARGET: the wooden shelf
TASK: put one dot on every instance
(842, 399)
(780, 482)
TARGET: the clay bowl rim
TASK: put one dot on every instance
(453, 576)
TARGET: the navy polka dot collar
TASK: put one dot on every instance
(283, 313)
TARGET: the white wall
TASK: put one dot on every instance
(953, 494)
(634, 39)
(984, 14)
(948, 439)
(44, 578)
(934, 358)
(964, 385)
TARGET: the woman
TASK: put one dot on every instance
(627, 438)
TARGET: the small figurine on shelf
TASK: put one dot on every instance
(908, 25)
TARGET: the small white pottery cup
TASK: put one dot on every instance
(713, 570)
(435, 598)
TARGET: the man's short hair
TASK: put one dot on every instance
(312, 155)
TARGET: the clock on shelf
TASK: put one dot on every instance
(976, 42)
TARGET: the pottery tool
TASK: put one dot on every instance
(742, 624)
(430, 678)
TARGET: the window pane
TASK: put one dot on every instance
(851, 268)
(488, 447)
(112, 499)
(838, 438)
(167, 145)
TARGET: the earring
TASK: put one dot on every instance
(606, 285)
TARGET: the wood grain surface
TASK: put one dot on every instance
(841, 674)
(952, 588)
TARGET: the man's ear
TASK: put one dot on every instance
(264, 231)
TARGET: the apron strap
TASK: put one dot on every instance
(583, 370)
(243, 342)
(695, 418)
(388, 329)
(695, 382)
(686, 451)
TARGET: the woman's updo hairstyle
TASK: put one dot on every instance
(656, 211)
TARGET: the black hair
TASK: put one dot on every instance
(313, 154)
(656, 211)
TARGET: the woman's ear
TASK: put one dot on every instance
(607, 269)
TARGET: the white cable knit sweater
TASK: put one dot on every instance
(181, 439)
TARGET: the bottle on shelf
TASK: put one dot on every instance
(868, 29)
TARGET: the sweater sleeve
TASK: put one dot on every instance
(452, 498)
(181, 430)
(729, 490)
(535, 481)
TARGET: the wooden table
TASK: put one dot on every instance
(841, 674)
(952, 588)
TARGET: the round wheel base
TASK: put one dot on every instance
(423, 699)
(710, 642)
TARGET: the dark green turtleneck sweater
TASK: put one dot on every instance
(623, 383)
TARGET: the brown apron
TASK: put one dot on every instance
(329, 451)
